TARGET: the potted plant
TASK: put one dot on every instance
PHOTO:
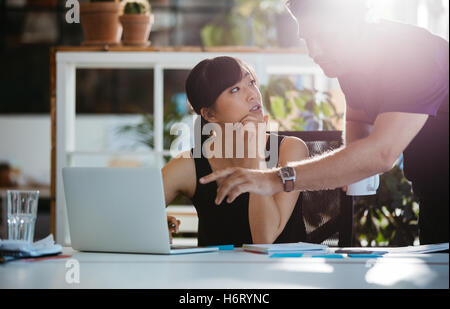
(248, 23)
(100, 22)
(136, 22)
(296, 109)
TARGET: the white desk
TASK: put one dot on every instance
(228, 269)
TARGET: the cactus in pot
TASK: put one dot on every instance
(136, 22)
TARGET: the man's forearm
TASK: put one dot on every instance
(339, 168)
(377, 153)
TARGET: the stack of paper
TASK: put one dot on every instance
(302, 249)
(420, 249)
(402, 250)
(20, 249)
(299, 247)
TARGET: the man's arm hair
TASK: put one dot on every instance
(377, 153)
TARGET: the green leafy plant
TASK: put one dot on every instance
(390, 217)
(249, 22)
(298, 110)
(227, 30)
(136, 7)
(143, 132)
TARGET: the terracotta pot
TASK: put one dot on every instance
(136, 29)
(100, 23)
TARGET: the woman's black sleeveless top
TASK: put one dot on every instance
(228, 224)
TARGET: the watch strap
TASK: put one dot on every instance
(288, 185)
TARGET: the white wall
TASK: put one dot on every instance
(25, 143)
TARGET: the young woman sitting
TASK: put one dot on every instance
(224, 92)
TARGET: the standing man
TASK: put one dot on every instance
(395, 80)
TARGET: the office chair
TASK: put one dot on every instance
(328, 214)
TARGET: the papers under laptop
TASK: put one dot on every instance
(119, 210)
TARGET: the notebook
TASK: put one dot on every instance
(299, 247)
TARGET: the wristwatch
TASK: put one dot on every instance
(288, 176)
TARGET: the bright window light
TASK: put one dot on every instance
(422, 15)
(429, 14)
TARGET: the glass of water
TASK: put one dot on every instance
(22, 211)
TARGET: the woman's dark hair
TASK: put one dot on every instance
(208, 80)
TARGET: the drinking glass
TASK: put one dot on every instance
(22, 211)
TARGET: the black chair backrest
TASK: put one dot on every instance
(328, 214)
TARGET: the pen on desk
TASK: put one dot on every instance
(224, 247)
(363, 252)
(365, 256)
(353, 251)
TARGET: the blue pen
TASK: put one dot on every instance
(365, 256)
(224, 247)
(329, 256)
(286, 255)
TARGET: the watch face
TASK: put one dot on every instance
(287, 172)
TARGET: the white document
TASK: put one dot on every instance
(45, 246)
(408, 249)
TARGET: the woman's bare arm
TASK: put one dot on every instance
(268, 215)
(179, 177)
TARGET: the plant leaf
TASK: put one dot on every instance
(278, 107)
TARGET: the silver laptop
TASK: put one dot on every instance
(119, 210)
